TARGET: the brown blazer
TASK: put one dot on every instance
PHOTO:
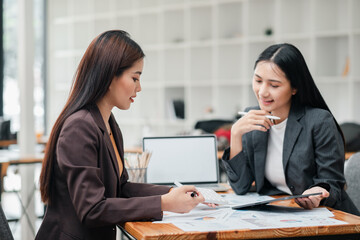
(88, 197)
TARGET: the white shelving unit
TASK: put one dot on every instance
(203, 52)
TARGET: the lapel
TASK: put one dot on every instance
(292, 132)
(95, 112)
(260, 140)
(117, 136)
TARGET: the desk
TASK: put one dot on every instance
(6, 143)
(148, 230)
(13, 158)
(7, 158)
(139, 150)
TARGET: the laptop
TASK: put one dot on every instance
(186, 159)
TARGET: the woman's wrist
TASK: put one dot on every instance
(235, 146)
(164, 202)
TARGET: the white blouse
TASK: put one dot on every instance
(274, 168)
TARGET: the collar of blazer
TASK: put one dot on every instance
(292, 131)
(95, 112)
(260, 141)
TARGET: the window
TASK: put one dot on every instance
(11, 104)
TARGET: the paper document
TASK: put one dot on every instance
(204, 218)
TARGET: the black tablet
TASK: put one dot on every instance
(253, 204)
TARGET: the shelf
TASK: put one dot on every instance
(172, 97)
(203, 53)
(83, 34)
(339, 106)
(230, 62)
(59, 9)
(201, 63)
(59, 41)
(355, 14)
(331, 15)
(149, 29)
(295, 17)
(201, 103)
(126, 23)
(355, 101)
(355, 57)
(103, 6)
(81, 7)
(174, 66)
(124, 5)
(229, 26)
(201, 22)
(151, 72)
(331, 63)
(148, 4)
(331, 80)
(174, 34)
(230, 101)
(153, 97)
(263, 9)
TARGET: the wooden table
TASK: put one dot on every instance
(8, 158)
(148, 230)
(6, 143)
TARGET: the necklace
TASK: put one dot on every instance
(108, 129)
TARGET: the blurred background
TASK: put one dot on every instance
(197, 75)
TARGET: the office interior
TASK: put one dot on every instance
(197, 74)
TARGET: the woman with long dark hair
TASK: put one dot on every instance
(83, 180)
(300, 152)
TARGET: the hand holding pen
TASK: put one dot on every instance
(254, 120)
(260, 120)
(193, 193)
(267, 116)
(179, 199)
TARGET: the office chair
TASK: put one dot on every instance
(210, 126)
(351, 133)
(352, 176)
(5, 232)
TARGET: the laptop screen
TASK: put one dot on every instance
(187, 159)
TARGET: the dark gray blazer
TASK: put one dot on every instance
(313, 155)
(89, 198)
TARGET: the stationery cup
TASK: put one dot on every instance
(137, 175)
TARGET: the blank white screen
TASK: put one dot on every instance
(184, 159)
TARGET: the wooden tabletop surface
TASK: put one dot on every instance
(149, 231)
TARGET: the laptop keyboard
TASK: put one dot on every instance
(214, 186)
(211, 196)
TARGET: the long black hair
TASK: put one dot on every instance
(108, 56)
(290, 60)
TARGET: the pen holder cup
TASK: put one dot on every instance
(137, 175)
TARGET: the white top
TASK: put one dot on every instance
(274, 168)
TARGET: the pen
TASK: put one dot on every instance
(178, 184)
(268, 116)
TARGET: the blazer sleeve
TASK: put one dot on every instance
(329, 158)
(239, 170)
(78, 160)
(131, 189)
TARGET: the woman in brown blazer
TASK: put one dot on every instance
(83, 180)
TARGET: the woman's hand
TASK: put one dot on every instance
(312, 201)
(179, 199)
(253, 120)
